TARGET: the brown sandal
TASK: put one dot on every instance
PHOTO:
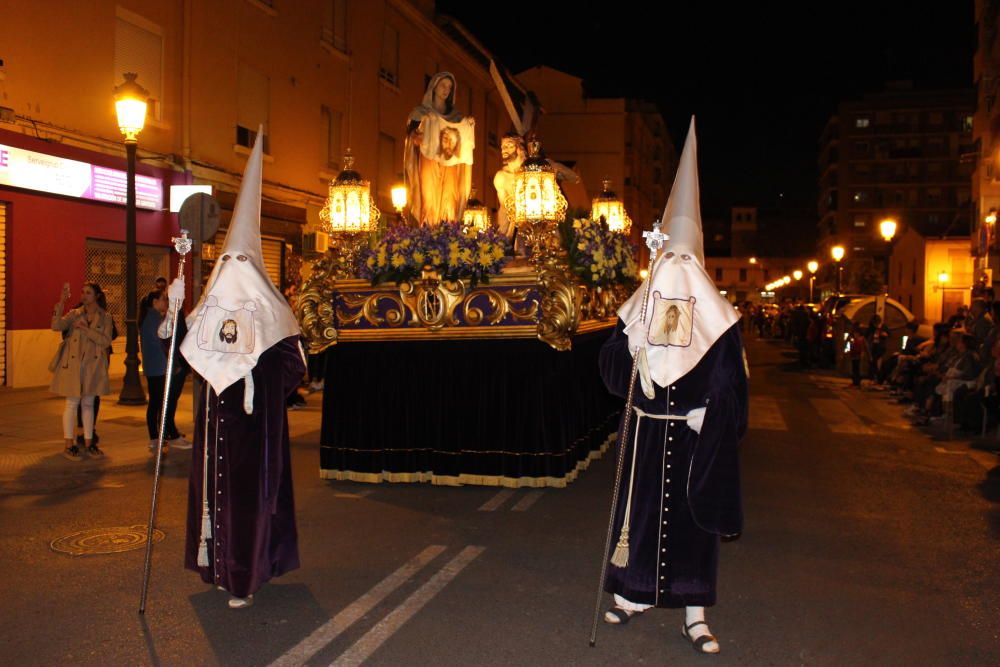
(699, 643)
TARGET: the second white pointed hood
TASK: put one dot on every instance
(241, 313)
(685, 313)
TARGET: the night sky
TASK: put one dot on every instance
(762, 82)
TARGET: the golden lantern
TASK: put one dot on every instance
(837, 252)
(476, 215)
(813, 266)
(349, 207)
(607, 205)
(399, 198)
(131, 101)
(536, 197)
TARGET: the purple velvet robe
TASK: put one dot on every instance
(686, 486)
(250, 478)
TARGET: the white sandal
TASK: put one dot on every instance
(240, 603)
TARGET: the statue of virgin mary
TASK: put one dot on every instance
(438, 154)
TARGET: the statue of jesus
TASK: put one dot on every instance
(438, 154)
(512, 156)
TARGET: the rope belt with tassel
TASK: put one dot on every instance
(620, 556)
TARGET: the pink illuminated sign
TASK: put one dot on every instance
(21, 168)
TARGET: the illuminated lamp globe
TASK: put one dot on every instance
(797, 274)
(349, 207)
(476, 215)
(399, 193)
(837, 252)
(131, 101)
(786, 279)
(607, 205)
(813, 266)
(888, 229)
(536, 196)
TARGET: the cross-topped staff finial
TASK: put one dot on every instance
(182, 244)
(654, 241)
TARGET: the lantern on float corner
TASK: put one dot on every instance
(349, 207)
(607, 205)
(476, 215)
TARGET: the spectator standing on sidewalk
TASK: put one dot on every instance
(878, 339)
(152, 310)
(80, 366)
(858, 351)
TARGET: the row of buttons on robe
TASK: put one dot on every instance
(218, 508)
(666, 503)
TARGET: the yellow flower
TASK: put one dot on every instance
(397, 260)
(418, 257)
(453, 251)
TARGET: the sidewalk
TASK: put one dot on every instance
(31, 437)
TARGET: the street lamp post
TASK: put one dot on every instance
(942, 281)
(130, 107)
(837, 252)
(813, 266)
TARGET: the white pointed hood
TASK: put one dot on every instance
(241, 313)
(685, 314)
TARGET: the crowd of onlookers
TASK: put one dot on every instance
(950, 370)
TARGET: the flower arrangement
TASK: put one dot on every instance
(403, 252)
(596, 254)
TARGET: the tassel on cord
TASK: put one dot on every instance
(620, 556)
(248, 394)
(206, 519)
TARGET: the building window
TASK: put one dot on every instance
(139, 49)
(860, 221)
(253, 105)
(935, 118)
(898, 197)
(332, 127)
(767, 275)
(933, 196)
(861, 147)
(860, 197)
(389, 63)
(967, 123)
(933, 219)
(743, 275)
(718, 274)
(334, 30)
(862, 122)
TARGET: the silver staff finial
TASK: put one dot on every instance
(182, 244)
(654, 241)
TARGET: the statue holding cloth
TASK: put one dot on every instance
(438, 154)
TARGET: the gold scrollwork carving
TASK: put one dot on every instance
(500, 304)
(314, 309)
(367, 306)
(561, 300)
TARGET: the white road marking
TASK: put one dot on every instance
(384, 629)
(354, 495)
(326, 633)
(494, 503)
(838, 417)
(525, 503)
(765, 415)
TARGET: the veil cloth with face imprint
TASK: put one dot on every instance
(438, 157)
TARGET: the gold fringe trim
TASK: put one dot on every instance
(467, 479)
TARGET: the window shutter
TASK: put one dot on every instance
(141, 51)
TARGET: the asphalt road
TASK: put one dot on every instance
(866, 543)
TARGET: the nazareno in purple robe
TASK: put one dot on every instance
(250, 478)
(687, 486)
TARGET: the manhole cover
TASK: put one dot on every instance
(98, 541)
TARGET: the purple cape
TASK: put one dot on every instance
(250, 478)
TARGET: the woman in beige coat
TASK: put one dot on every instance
(80, 367)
